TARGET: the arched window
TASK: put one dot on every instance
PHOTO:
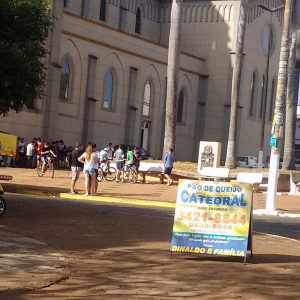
(272, 100)
(102, 10)
(64, 92)
(261, 110)
(138, 21)
(147, 98)
(108, 90)
(252, 91)
(180, 105)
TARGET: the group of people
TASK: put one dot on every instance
(28, 155)
(90, 160)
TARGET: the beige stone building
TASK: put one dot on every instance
(107, 69)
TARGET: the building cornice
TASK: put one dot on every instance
(128, 34)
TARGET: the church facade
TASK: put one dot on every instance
(107, 75)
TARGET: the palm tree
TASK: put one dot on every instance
(279, 107)
(231, 145)
(291, 104)
(172, 75)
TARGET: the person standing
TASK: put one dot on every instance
(129, 157)
(76, 166)
(61, 153)
(169, 160)
(97, 153)
(90, 160)
(22, 153)
(29, 154)
(110, 151)
(38, 150)
(138, 158)
(119, 156)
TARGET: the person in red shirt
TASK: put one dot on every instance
(38, 150)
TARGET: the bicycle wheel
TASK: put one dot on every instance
(132, 176)
(100, 175)
(126, 175)
(51, 170)
(2, 205)
(39, 168)
(110, 175)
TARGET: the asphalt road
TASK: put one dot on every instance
(122, 252)
(286, 227)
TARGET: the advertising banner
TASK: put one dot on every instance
(212, 217)
(8, 144)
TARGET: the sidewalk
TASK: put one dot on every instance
(152, 193)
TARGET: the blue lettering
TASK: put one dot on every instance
(193, 198)
(184, 196)
(243, 203)
(201, 198)
(209, 200)
(217, 200)
(226, 200)
(235, 201)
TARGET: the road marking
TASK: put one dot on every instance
(136, 202)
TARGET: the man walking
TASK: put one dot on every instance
(76, 166)
(168, 164)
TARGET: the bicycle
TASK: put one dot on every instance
(49, 167)
(130, 173)
(106, 172)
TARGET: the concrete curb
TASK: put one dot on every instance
(106, 199)
(276, 213)
(135, 202)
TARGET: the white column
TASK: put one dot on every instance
(272, 183)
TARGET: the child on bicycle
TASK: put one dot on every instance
(46, 155)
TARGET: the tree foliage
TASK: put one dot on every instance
(24, 27)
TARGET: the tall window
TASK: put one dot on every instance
(262, 98)
(102, 10)
(252, 91)
(138, 21)
(147, 98)
(180, 107)
(272, 100)
(64, 92)
(85, 8)
(65, 3)
(108, 90)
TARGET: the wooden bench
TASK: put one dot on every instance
(208, 173)
(294, 184)
(253, 178)
(147, 168)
